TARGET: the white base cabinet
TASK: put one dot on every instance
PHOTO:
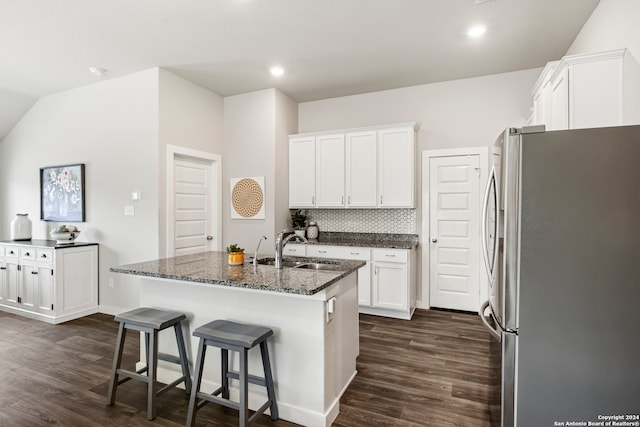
(49, 283)
(386, 283)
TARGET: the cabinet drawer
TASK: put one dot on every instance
(294, 250)
(11, 251)
(27, 253)
(391, 255)
(319, 251)
(44, 255)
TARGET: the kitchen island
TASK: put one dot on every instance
(313, 314)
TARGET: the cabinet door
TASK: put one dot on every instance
(595, 94)
(396, 168)
(12, 282)
(330, 171)
(27, 285)
(361, 169)
(44, 289)
(302, 172)
(390, 286)
(559, 108)
(3, 283)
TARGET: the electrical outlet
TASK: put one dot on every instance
(129, 211)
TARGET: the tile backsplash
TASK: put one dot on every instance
(397, 221)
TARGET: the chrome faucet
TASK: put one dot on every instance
(255, 255)
(281, 240)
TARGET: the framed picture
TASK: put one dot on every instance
(62, 193)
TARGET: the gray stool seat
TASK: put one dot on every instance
(238, 337)
(150, 321)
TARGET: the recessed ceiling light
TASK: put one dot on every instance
(97, 71)
(476, 30)
(276, 71)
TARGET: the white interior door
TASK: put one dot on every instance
(193, 206)
(454, 231)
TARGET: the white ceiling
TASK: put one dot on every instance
(329, 48)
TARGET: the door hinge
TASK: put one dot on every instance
(19, 300)
(51, 307)
(19, 267)
(52, 271)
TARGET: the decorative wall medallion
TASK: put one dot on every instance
(247, 198)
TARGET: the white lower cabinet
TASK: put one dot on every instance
(49, 283)
(386, 283)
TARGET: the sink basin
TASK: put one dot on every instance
(294, 263)
(320, 266)
(285, 262)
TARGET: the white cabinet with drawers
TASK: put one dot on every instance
(386, 283)
(52, 283)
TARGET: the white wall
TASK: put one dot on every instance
(13, 106)
(111, 127)
(614, 25)
(190, 116)
(453, 114)
(256, 126)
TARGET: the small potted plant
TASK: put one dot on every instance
(236, 254)
(299, 222)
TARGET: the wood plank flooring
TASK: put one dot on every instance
(430, 371)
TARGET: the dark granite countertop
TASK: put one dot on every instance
(46, 243)
(372, 240)
(213, 268)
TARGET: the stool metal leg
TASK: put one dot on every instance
(182, 352)
(197, 380)
(117, 360)
(224, 375)
(268, 377)
(152, 373)
(244, 388)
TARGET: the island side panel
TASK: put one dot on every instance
(312, 360)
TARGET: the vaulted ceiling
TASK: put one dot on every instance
(328, 48)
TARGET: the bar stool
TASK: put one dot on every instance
(240, 338)
(150, 321)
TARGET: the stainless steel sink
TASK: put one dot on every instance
(320, 266)
(295, 263)
(285, 262)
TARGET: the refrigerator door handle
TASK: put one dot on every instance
(485, 213)
(494, 332)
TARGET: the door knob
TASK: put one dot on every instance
(209, 237)
(434, 240)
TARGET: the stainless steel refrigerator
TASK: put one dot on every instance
(561, 238)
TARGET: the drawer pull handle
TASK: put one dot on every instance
(390, 255)
(27, 254)
(11, 252)
(322, 252)
(354, 253)
(43, 255)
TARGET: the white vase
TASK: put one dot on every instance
(312, 230)
(21, 227)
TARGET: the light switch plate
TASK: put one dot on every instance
(129, 211)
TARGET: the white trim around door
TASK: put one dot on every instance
(214, 185)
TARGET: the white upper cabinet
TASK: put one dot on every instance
(361, 169)
(330, 171)
(302, 172)
(396, 167)
(354, 168)
(582, 91)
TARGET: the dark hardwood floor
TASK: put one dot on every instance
(430, 371)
